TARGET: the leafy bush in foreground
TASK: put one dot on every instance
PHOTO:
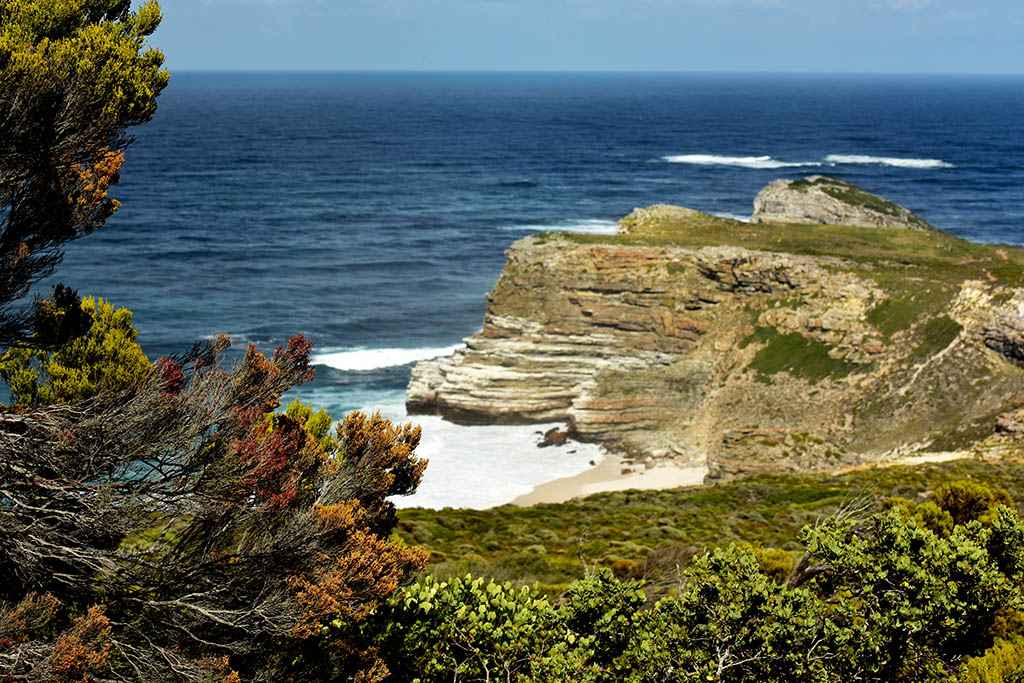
(876, 597)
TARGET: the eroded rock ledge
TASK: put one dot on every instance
(753, 347)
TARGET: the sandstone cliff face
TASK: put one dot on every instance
(674, 337)
(817, 199)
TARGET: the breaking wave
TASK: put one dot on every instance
(593, 226)
(371, 359)
(745, 162)
(763, 162)
(836, 159)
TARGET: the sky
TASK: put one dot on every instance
(886, 36)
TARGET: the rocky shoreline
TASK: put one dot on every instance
(772, 346)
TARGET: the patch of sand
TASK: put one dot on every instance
(607, 476)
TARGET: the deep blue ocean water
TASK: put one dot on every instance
(370, 211)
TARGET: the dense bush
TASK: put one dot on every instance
(882, 597)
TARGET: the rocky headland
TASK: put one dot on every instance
(819, 199)
(828, 332)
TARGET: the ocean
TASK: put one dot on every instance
(370, 211)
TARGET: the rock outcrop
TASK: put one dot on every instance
(700, 337)
(818, 199)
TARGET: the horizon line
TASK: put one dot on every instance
(694, 72)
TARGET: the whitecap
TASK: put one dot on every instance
(592, 226)
(745, 162)
(886, 161)
(371, 359)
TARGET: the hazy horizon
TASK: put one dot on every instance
(702, 36)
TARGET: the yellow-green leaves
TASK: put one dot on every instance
(317, 425)
(92, 52)
(107, 358)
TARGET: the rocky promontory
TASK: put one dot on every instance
(753, 347)
(818, 199)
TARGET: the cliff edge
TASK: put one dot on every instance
(752, 347)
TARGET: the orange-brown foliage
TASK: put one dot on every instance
(84, 651)
(89, 184)
(366, 572)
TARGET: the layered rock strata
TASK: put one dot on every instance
(676, 338)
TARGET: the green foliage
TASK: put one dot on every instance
(854, 196)
(928, 515)
(1001, 663)
(731, 623)
(875, 597)
(74, 76)
(896, 313)
(775, 563)
(95, 44)
(660, 530)
(474, 630)
(602, 612)
(935, 335)
(317, 425)
(106, 358)
(901, 261)
(910, 594)
(967, 500)
(796, 354)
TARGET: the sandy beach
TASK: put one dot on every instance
(607, 476)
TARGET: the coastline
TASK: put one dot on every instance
(607, 476)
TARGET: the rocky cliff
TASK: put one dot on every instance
(753, 347)
(818, 199)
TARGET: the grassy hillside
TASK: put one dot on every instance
(649, 533)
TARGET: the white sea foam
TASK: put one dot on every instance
(593, 226)
(830, 160)
(733, 216)
(886, 161)
(371, 359)
(483, 466)
(472, 467)
(745, 162)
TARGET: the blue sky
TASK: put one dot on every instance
(899, 36)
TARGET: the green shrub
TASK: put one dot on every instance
(470, 629)
(796, 354)
(106, 358)
(1001, 663)
(965, 500)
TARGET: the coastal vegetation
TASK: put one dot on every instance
(650, 534)
(895, 252)
(171, 521)
(878, 590)
(158, 521)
